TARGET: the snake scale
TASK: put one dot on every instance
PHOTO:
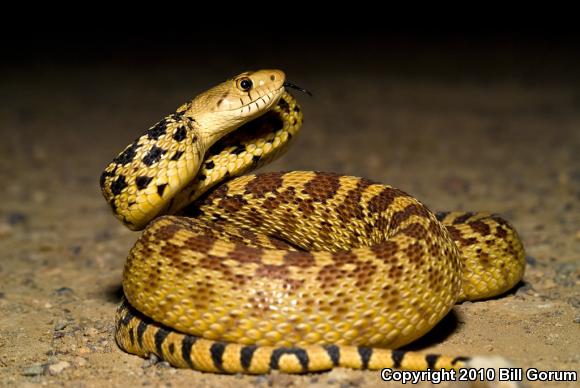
(299, 271)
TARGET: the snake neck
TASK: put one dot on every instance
(211, 124)
(156, 165)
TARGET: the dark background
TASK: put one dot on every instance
(547, 48)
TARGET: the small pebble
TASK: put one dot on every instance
(80, 361)
(15, 218)
(577, 319)
(574, 302)
(39, 197)
(63, 291)
(60, 325)
(34, 370)
(91, 332)
(152, 360)
(531, 260)
(103, 235)
(57, 368)
(488, 347)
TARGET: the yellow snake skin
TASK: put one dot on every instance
(299, 271)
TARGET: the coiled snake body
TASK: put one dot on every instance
(298, 271)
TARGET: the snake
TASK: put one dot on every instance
(296, 272)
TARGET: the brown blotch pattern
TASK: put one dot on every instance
(480, 227)
(299, 259)
(384, 199)
(245, 254)
(322, 187)
(386, 251)
(200, 243)
(165, 232)
(279, 272)
(458, 237)
(462, 218)
(484, 259)
(415, 253)
(363, 272)
(232, 203)
(329, 275)
(501, 232)
(417, 231)
(263, 184)
(411, 210)
(350, 208)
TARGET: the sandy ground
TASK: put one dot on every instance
(506, 145)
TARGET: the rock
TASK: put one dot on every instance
(39, 197)
(33, 370)
(526, 288)
(58, 334)
(152, 360)
(75, 250)
(91, 332)
(103, 235)
(531, 260)
(574, 301)
(80, 361)
(60, 325)
(57, 368)
(63, 291)
(16, 218)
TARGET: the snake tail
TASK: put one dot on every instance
(138, 334)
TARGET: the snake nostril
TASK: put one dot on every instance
(272, 77)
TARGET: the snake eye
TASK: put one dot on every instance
(245, 84)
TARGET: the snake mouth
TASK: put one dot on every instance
(265, 99)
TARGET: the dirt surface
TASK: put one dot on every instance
(509, 145)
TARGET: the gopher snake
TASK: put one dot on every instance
(298, 271)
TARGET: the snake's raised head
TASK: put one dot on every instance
(143, 180)
(233, 103)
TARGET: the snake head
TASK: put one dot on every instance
(233, 103)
